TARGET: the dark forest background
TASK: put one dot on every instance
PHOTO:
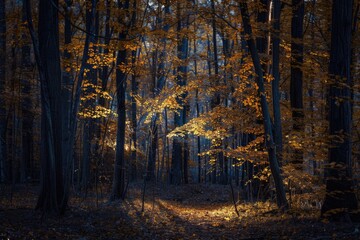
(260, 97)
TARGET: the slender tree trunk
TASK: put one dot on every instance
(159, 83)
(198, 143)
(152, 149)
(118, 187)
(90, 126)
(296, 83)
(227, 48)
(340, 199)
(66, 96)
(274, 165)
(104, 76)
(26, 107)
(134, 92)
(275, 83)
(3, 147)
(212, 164)
(179, 145)
(215, 100)
(262, 18)
(73, 105)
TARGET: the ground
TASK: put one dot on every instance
(184, 212)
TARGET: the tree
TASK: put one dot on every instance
(275, 83)
(340, 199)
(46, 47)
(268, 135)
(2, 88)
(179, 151)
(159, 81)
(26, 106)
(91, 76)
(296, 82)
(118, 187)
(215, 102)
(134, 92)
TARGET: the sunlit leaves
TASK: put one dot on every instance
(92, 93)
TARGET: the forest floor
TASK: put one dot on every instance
(192, 211)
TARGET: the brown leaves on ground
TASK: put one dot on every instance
(181, 212)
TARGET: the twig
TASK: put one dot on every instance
(233, 198)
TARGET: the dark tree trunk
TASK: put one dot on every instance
(104, 73)
(3, 155)
(85, 161)
(262, 46)
(274, 165)
(212, 164)
(275, 83)
(340, 200)
(197, 103)
(296, 83)
(90, 124)
(215, 101)
(152, 149)
(179, 145)
(134, 92)
(66, 96)
(51, 153)
(262, 18)
(118, 187)
(26, 108)
(159, 83)
(228, 76)
(47, 56)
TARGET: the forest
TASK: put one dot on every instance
(179, 119)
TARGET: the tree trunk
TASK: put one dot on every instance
(340, 199)
(215, 101)
(296, 83)
(197, 104)
(134, 92)
(179, 151)
(90, 124)
(274, 165)
(47, 56)
(26, 107)
(3, 155)
(275, 83)
(104, 77)
(118, 187)
(66, 96)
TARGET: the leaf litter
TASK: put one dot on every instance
(193, 211)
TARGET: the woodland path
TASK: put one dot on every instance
(184, 212)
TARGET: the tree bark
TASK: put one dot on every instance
(46, 48)
(274, 165)
(179, 146)
(296, 83)
(3, 155)
(215, 101)
(90, 123)
(118, 187)
(275, 83)
(26, 107)
(340, 199)
(134, 92)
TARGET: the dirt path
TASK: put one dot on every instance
(185, 212)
